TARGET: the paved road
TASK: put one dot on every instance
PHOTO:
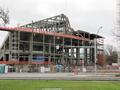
(60, 76)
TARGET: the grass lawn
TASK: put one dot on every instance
(58, 85)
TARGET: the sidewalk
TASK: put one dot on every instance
(60, 76)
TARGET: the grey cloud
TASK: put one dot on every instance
(83, 14)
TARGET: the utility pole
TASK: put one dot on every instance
(83, 60)
(118, 29)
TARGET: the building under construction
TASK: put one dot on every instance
(50, 41)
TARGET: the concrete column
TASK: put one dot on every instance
(4, 57)
(43, 45)
(31, 47)
(71, 52)
(63, 51)
(54, 48)
(10, 46)
(49, 50)
(18, 45)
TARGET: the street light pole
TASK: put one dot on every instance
(99, 29)
(95, 55)
(95, 48)
(82, 45)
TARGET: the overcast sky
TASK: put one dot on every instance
(87, 15)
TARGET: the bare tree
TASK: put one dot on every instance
(4, 16)
(111, 54)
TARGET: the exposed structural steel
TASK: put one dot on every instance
(51, 40)
(59, 24)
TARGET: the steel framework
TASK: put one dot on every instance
(50, 41)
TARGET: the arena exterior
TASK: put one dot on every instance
(50, 41)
